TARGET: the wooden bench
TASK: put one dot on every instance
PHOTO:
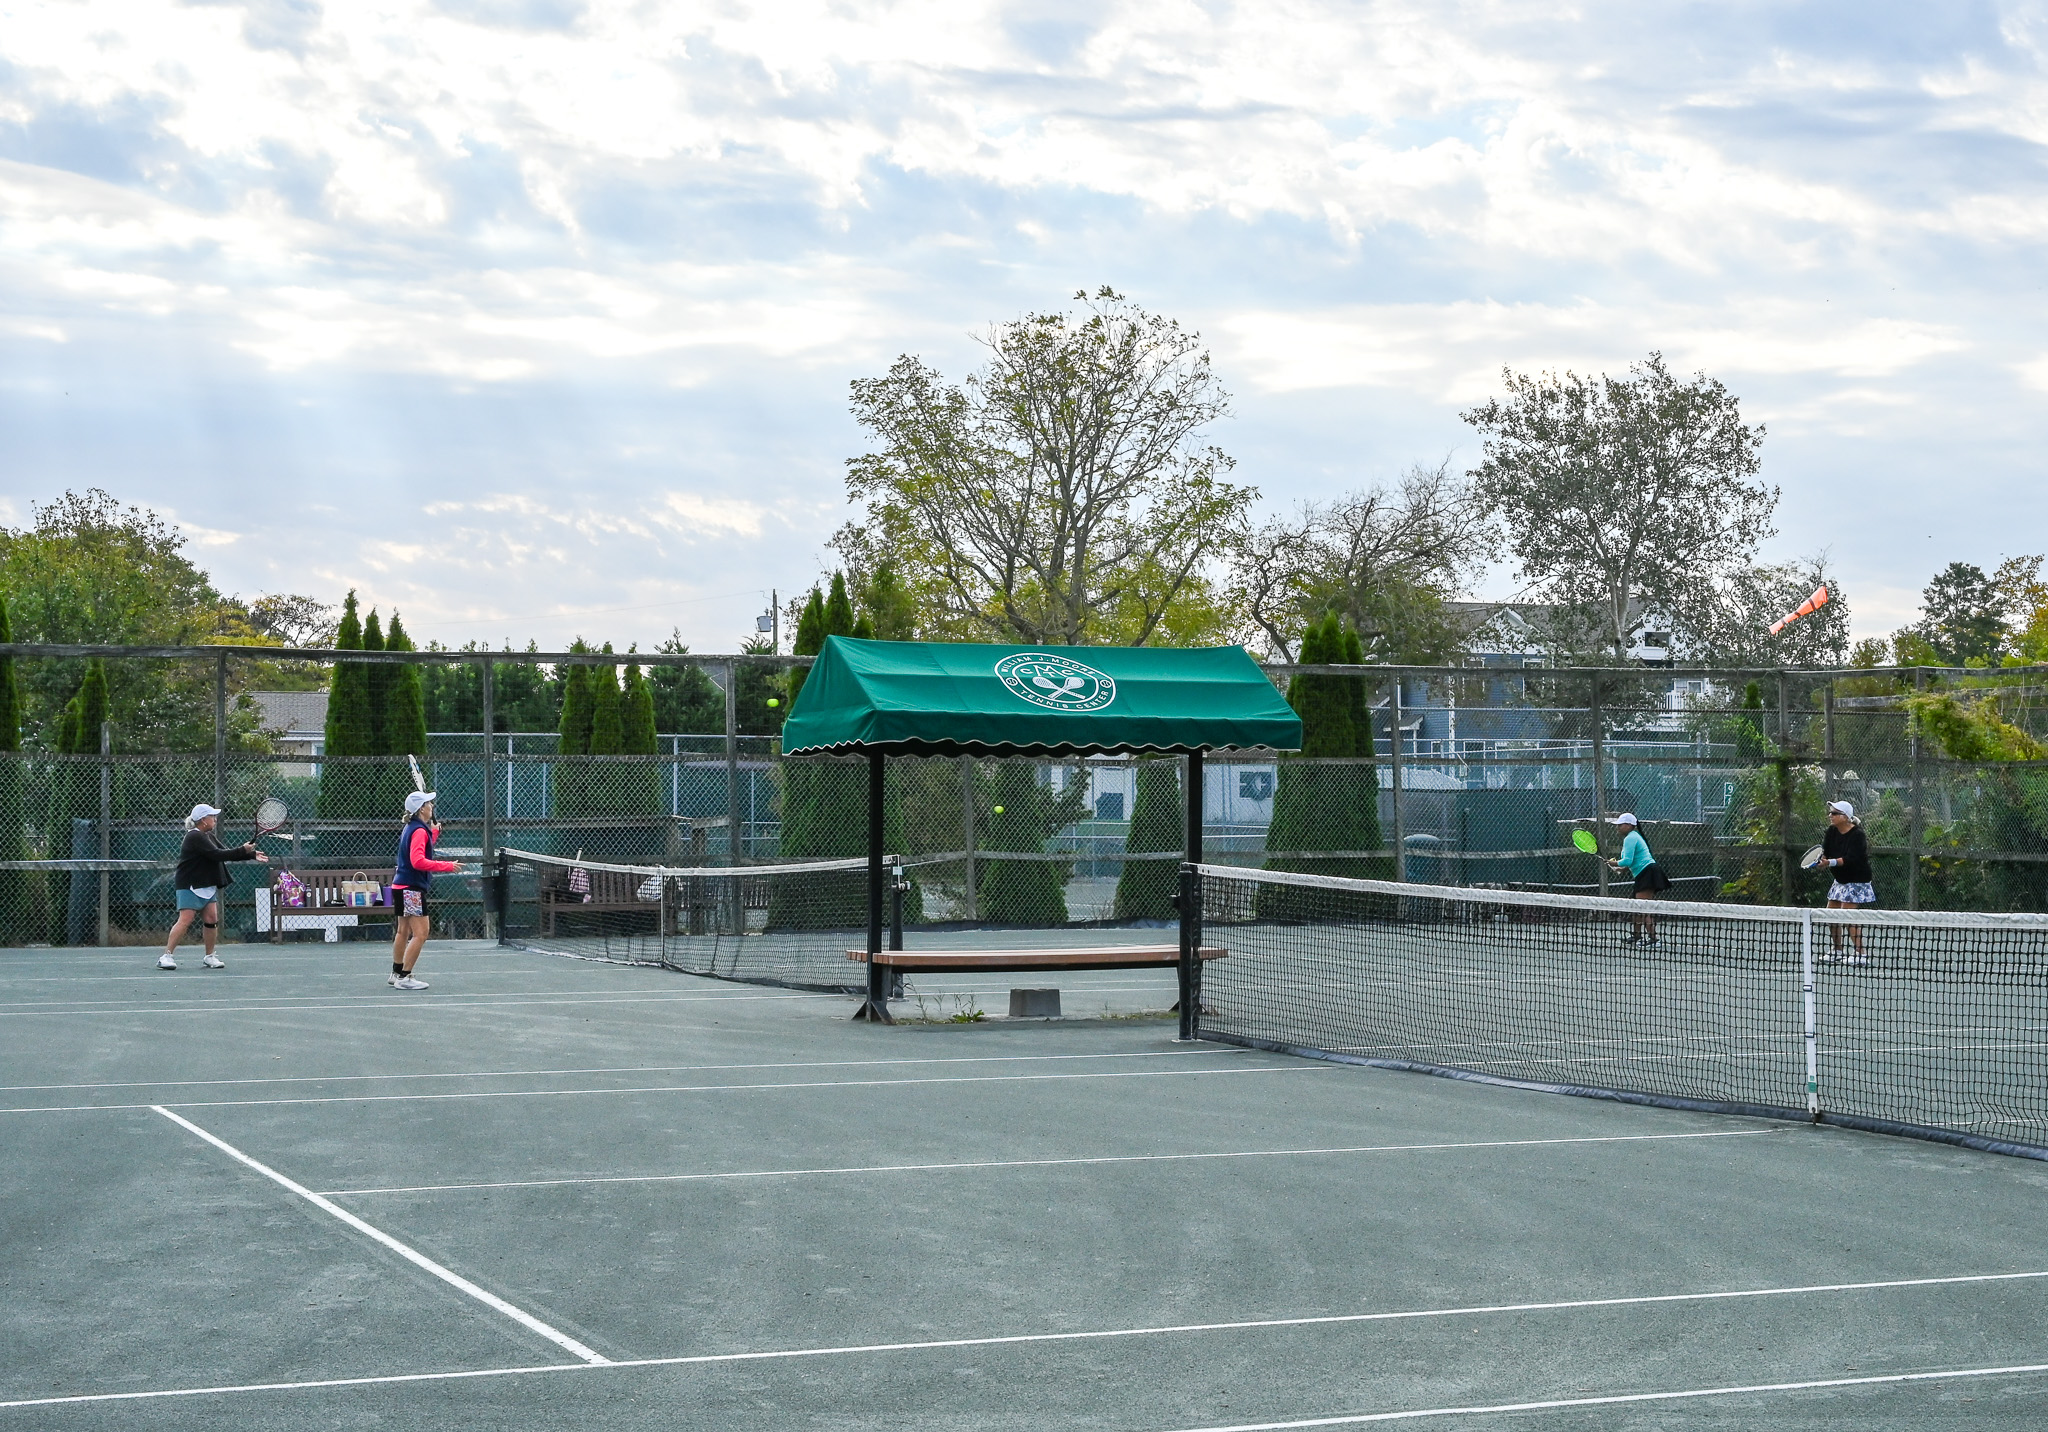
(610, 891)
(1078, 957)
(1093, 957)
(323, 908)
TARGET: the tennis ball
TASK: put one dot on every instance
(999, 810)
(773, 703)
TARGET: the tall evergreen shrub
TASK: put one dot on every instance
(571, 773)
(350, 725)
(24, 894)
(1146, 888)
(403, 723)
(824, 801)
(1327, 797)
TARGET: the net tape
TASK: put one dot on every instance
(1623, 905)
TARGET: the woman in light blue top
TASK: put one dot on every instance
(1651, 881)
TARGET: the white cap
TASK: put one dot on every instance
(201, 812)
(417, 799)
(1844, 807)
(1625, 819)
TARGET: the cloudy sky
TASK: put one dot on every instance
(535, 317)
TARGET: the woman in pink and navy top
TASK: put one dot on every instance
(410, 881)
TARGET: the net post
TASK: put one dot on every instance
(1812, 1026)
(1190, 968)
(876, 1006)
(493, 909)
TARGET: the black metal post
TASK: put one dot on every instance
(488, 835)
(876, 1006)
(220, 729)
(1191, 909)
(898, 888)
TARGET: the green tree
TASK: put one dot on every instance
(351, 725)
(824, 801)
(88, 569)
(572, 775)
(686, 701)
(638, 736)
(607, 720)
(1019, 814)
(1621, 495)
(1390, 560)
(1145, 889)
(1063, 493)
(888, 605)
(405, 721)
(1327, 797)
(810, 640)
(1962, 616)
(10, 688)
(380, 688)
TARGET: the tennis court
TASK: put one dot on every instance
(558, 1192)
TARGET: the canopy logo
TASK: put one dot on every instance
(1055, 683)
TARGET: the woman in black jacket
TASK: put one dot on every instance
(202, 871)
(1845, 854)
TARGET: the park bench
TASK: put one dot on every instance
(323, 908)
(1081, 957)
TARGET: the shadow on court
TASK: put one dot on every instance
(549, 1192)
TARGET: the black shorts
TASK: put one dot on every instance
(1653, 881)
(408, 902)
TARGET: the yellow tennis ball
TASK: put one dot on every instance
(773, 703)
(999, 810)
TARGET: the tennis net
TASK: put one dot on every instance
(1934, 1025)
(764, 924)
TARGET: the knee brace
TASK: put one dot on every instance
(213, 924)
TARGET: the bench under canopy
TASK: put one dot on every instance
(896, 698)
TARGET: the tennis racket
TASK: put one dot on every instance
(419, 782)
(1586, 841)
(1810, 859)
(271, 817)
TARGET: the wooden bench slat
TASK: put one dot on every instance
(1100, 957)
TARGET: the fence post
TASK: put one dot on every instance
(967, 818)
(1599, 720)
(732, 764)
(1394, 773)
(1812, 1026)
(220, 728)
(106, 819)
(489, 834)
(1191, 906)
(1788, 868)
(1913, 812)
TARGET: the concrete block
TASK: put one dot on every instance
(1034, 1004)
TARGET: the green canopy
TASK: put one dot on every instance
(963, 699)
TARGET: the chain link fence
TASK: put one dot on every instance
(1479, 776)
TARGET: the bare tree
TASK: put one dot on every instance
(1621, 495)
(1063, 494)
(1388, 560)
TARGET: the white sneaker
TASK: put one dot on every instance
(165, 962)
(393, 980)
(214, 962)
(410, 983)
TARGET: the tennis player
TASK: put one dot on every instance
(202, 871)
(1845, 854)
(412, 877)
(1651, 881)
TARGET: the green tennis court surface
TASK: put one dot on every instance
(638, 1199)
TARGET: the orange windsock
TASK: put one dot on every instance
(1807, 608)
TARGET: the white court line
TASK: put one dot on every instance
(1050, 1163)
(1218, 1049)
(1300, 1067)
(1358, 1419)
(450, 1277)
(793, 1354)
(400, 1001)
